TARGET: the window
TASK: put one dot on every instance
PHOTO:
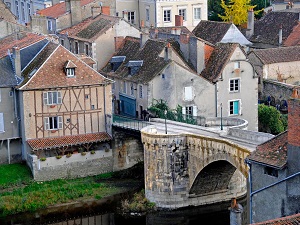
(17, 9)
(197, 13)
(52, 98)
(190, 111)
(141, 91)
(29, 9)
(130, 16)
(1, 123)
(23, 11)
(70, 72)
(188, 93)
(237, 65)
(76, 49)
(234, 85)
(271, 171)
(234, 107)
(147, 14)
(62, 42)
(163, 76)
(93, 107)
(167, 15)
(11, 94)
(182, 12)
(53, 123)
(49, 23)
(86, 49)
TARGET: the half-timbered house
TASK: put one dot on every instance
(65, 109)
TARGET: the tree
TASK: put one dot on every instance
(215, 9)
(237, 11)
(270, 120)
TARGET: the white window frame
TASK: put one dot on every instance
(167, 18)
(234, 84)
(197, 13)
(237, 65)
(132, 89)
(49, 25)
(141, 91)
(1, 123)
(190, 111)
(76, 47)
(131, 17)
(231, 112)
(52, 98)
(124, 87)
(86, 49)
(70, 72)
(182, 14)
(53, 123)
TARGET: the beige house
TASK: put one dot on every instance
(162, 13)
(97, 37)
(65, 109)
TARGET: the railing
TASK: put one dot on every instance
(129, 123)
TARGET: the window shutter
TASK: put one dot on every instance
(188, 93)
(58, 97)
(195, 110)
(45, 98)
(1, 123)
(60, 124)
(183, 111)
(46, 123)
(236, 107)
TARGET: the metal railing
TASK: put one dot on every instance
(129, 123)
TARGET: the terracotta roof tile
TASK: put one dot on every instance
(91, 28)
(47, 70)
(211, 31)
(272, 152)
(59, 9)
(288, 220)
(217, 60)
(21, 40)
(266, 30)
(276, 55)
(57, 142)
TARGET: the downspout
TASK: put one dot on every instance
(264, 188)
(216, 99)
(155, 14)
(8, 150)
(139, 11)
(104, 102)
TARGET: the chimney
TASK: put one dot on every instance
(184, 38)
(294, 132)
(106, 10)
(95, 10)
(68, 5)
(178, 21)
(167, 51)
(250, 24)
(125, 15)
(142, 24)
(76, 16)
(280, 36)
(17, 60)
(143, 38)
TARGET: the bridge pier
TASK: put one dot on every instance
(191, 170)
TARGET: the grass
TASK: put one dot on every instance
(20, 193)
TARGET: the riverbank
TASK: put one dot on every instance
(21, 194)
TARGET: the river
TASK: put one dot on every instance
(217, 214)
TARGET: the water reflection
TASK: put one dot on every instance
(213, 215)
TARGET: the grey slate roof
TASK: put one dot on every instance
(7, 77)
(211, 31)
(266, 30)
(152, 63)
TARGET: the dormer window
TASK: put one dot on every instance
(70, 68)
(134, 66)
(116, 61)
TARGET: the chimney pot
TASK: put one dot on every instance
(295, 93)
(178, 21)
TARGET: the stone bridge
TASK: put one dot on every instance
(190, 170)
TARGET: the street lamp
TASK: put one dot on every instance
(166, 121)
(221, 116)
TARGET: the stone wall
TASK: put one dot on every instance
(14, 154)
(254, 136)
(75, 166)
(280, 91)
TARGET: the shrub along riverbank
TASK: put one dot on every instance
(20, 193)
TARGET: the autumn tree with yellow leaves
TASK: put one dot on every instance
(237, 11)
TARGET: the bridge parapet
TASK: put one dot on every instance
(252, 136)
(227, 121)
(174, 165)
